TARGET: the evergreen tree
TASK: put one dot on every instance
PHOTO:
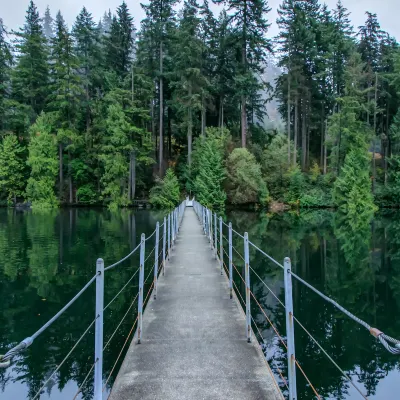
(188, 81)
(250, 24)
(122, 146)
(106, 23)
(166, 193)
(352, 190)
(119, 42)
(342, 40)
(5, 71)
(43, 163)
(66, 90)
(114, 157)
(30, 76)
(11, 167)
(244, 182)
(209, 169)
(225, 72)
(48, 24)
(89, 59)
(160, 17)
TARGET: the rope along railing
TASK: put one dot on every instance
(209, 223)
(157, 256)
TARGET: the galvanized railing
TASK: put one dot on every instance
(213, 229)
(170, 228)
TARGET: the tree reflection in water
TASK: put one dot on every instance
(357, 263)
(45, 259)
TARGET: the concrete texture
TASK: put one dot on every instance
(194, 338)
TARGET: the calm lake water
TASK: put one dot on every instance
(46, 259)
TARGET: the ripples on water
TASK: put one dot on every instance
(46, 259)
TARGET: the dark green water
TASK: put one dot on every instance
(354, 262)
(46, 259)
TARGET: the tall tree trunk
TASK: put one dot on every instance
(133, 174)
(373, 147)
(61, 175)
(203, 116)
(70, 179)
(222, 115)
(153, 127)
(303, 136)
(243, 120)
(243, 99)
(169, 134)
(161, 141)
(325, 147)
(133, 85)
(288, 120)
(296, 128)
(322, 134)
(189, 133)
(130, 179)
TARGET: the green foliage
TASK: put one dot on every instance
(30, 76)
(166, 193)
(296, 185)
(352, 191)
(115, 157)
(6, 59)
(209, 170)
(43, 163)
(244, 182)
(11, 167)
(275, 166)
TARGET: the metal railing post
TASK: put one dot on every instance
(98, 343)
(141, 287)
(221, 255)
(156, 259)
(247, 280)
(172, 229)
(163, 244)
(210, 228)
(169, 235)
(230, 260)
(204, 219)
(290, 329)
(215, 235)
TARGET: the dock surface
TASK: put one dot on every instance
(194, 336)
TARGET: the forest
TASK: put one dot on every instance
(107, 112)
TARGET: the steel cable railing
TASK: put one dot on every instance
(208, 220)
(172, 228)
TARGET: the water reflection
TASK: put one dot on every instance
(46, 258)
(356, 263)
(44, 261)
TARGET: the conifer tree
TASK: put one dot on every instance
(119, 42)
(159, 19)
(48, 24)
(11, 167)
(30, 76)
(211, 173)
(66, 90)
(43, 163)
(251, 25)
(89, 59)
(188, 80)
(6, 60)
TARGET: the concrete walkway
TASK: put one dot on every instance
(194, 338)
